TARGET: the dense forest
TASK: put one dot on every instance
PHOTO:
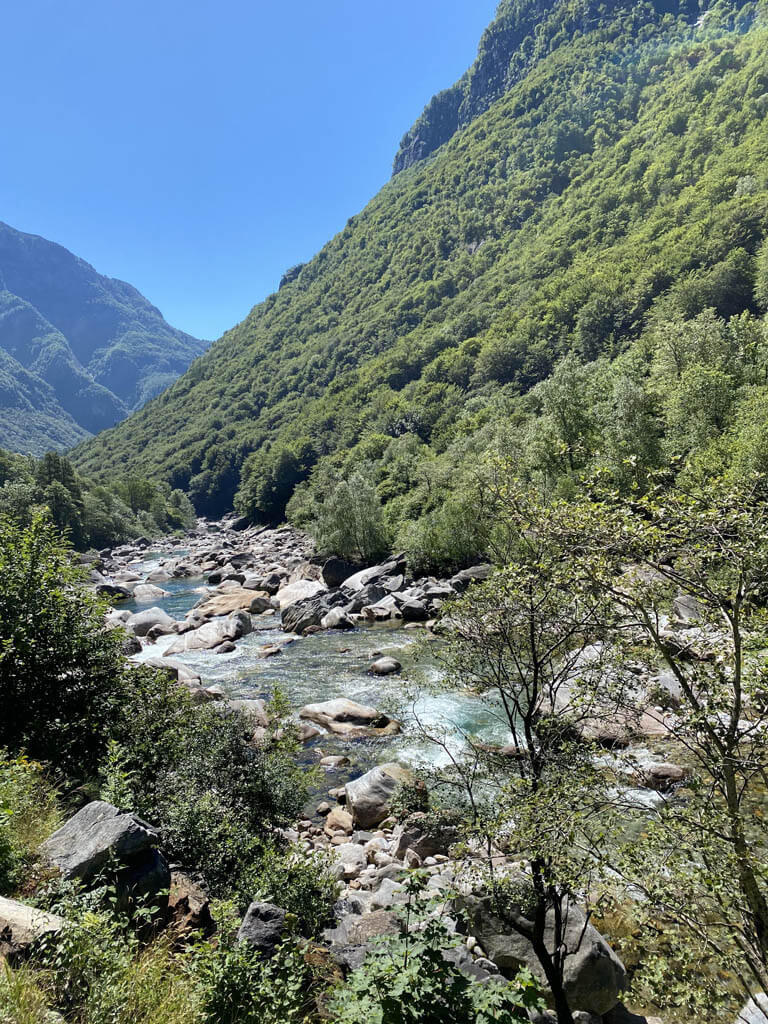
(90, 515)
(579, 275)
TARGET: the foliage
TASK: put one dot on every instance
(408, 979)
(61, 673)
(90, 515)
(607, 184)
(241, 987)
(350, 522)
(28, 814)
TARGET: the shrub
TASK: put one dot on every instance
(61, 673)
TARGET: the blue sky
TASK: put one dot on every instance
(198, 148)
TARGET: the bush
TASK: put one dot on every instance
(61, 672)
(192, 770)
(453, 536)
(241, 987)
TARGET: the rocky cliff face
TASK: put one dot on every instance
(79, 350)
(523, 33)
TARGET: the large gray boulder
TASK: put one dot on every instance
(21, 926)
(140, 623)
(378, 574)
(475, 574)
(594, 976)
(263, 927)
(337, 570)
(348, 718)
(299, 591)
(303, 615)
(213, 633)
(98, 833)
(149, 592)
(368, 798)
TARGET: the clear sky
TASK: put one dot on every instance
(197, 149)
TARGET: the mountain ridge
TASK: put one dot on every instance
(627, 163)
(100, 346)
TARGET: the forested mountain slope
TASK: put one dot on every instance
(79, 351)
(617, 190)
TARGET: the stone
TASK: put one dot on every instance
(299, 591)
(475, 574)
(337, 618)
(352, 859)
(385, 667)
(263, 927)
(236, 600)
(360, 929)
(369, 796)
(348, 718)
(337, 570)
(333, 761)
(148, 592)
(255, 709)
(415, 834)
(375, 574)
(142, 622)
(22, 926)
(754, 1011)
(213, 633)
(594, 976)
(85, 844)
(662, 777)
(686, 610)
(189, 909)
(309, 613)
(338, 821)
(414, 611)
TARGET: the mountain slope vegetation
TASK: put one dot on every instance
(79, 350)
(523, 287)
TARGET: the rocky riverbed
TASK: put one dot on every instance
(235, 612)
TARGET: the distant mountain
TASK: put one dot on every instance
(78, 351)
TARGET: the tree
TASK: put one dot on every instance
(350, 522)
(525, 642)
(702, 557)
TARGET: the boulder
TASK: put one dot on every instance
(211, 634)
(236, 600)
(254, 709)
(662, 777)
(360, 929)
(475, 574)
(298, 591)
(337, 618)
(148, 592)
(21, 926)
(352, 858)
(189, 909)
(594, 976)
(337, 570)
(182, 673)
(376, 574)
(141, 622)
(385, 667)
(754, 1011)
(347, 718)
(368, 797)
(302, 615)
(115, 591)
(98, 833)
(418, 835)
(263, 927)
(338, 822)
